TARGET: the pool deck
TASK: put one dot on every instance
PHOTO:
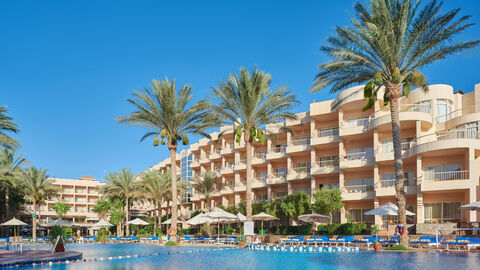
(29, 257)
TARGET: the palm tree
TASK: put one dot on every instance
(7, 125)
(122, 185)
(163, 110)
(37, 187)
(156, 186)
(61, 208)
(385, 48)
(206, 185)
(102, 207)
(247, 102)
(11, 166)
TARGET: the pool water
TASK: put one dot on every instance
(218, 258)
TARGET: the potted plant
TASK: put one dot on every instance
(376, 245)
(241, 242)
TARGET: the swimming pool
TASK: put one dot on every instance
(218, 258)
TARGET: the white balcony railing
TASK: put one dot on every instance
(391, 182)
(460, 112)
(448, 135)
(301, 141)
(327, 163)
(260, 155)
(358, 188)
(358, 155)
(277, 175)
(300, 170)
(446, 176)
(280, 149)
(328, 132)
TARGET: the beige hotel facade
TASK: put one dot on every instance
(337, 145)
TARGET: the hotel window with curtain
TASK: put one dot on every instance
(357, 215)
(442, 212)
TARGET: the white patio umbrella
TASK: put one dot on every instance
(314, 217)
(388, 209)
(137, 222)
(471, 206)
(219, 215)
(241, 217)
(60, 222)
(169, 221)
(102, 224)
(263, 217)
(199, 219)
(14, 222)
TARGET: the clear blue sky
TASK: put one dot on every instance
(67, 67)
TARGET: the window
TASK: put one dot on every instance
(262, 197)
(330, 186)
(281, 194)
(357, 215)
(443, 172)
(359, 185)
(303, 190)
(467, 131)
(262, 175)
(444, 109)
(442, 212)
(302, 167)
(328, 132)
(281, 172)
(359, 122)
(387, 145)
(424, 106)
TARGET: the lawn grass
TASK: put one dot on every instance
(397, 247)
(170, 244)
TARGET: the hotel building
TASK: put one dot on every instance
(337, 145)
(80, 194)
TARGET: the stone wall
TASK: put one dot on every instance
(429, 228)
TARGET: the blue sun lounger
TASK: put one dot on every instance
(462, 242)
(344, 240)
(131, 239)
(43, 240)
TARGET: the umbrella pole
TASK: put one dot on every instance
(263, 233)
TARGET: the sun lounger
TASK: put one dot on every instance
(42, 240)
(427, 241)
(70, 240)
(3, 241)
(344, 240)
(26, 240)
(366, 240)
(187, 238)
(114, 239)
(15, 244)
(462, 242)
(231, 240)
(131, 239)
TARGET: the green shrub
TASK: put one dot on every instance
(397, 247)
(170, 244)
(56, 231)
(342, 229)
(292, 230)
(183, 232)
(228, 229)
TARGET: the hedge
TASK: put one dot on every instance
(342, 229)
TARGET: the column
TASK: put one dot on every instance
(420, 212)
(473, 179)
(289, 188)
(378, 219)
(269, 193)
(236, 198)
(269, 144)
(312, 187)
(224, 201)
(289, 138)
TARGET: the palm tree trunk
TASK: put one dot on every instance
(394, 91)
(155, 214)
(248, 191)
(34, 221)
(173, 163)
(127, 212)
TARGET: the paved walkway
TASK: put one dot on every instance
(35, 256)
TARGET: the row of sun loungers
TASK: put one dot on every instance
(213, 240)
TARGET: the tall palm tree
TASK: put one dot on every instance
(247, 102)
(7, 125)
(11, 166)
(387, 45)
(206, 184)
(156, 186)
(163, 110)
(37, 187)
(102, 207)
(122, 185)
(61, 208)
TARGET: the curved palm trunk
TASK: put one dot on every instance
(248, 191)
(34, 221)
(127, 212)
(173, 163)
(395, 93)
(155, 214)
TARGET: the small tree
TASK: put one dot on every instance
(296, 204)
(61, 208)
(327, 202)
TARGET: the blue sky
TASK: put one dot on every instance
(67, 67)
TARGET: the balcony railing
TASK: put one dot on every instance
(327, 163)
(391, 182)
(448, 135)
(415, 108)
(460, 112)
(358, 188)
(300, 170)
(277, 175)
(358, 155)
(301, 141)
(260, 155)
(362, 122)
(446, 176)
(327, 132)
(280, 149)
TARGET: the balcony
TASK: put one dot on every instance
(325, 167)
(204, 159)
(194, 163)
(259, 158)
(227, 169)
(388, 155)
(277, 153)
(387, 188)
(407, 112)
(240, 165)
(81, 191)
(357, 159)
(228, 149)
(215, 155)
(298, 173)
(276, 178)
(299, 145)
(451, 180)
(358, 192)
(353, 127)
(326, 136)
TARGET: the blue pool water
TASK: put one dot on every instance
(213, 258)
